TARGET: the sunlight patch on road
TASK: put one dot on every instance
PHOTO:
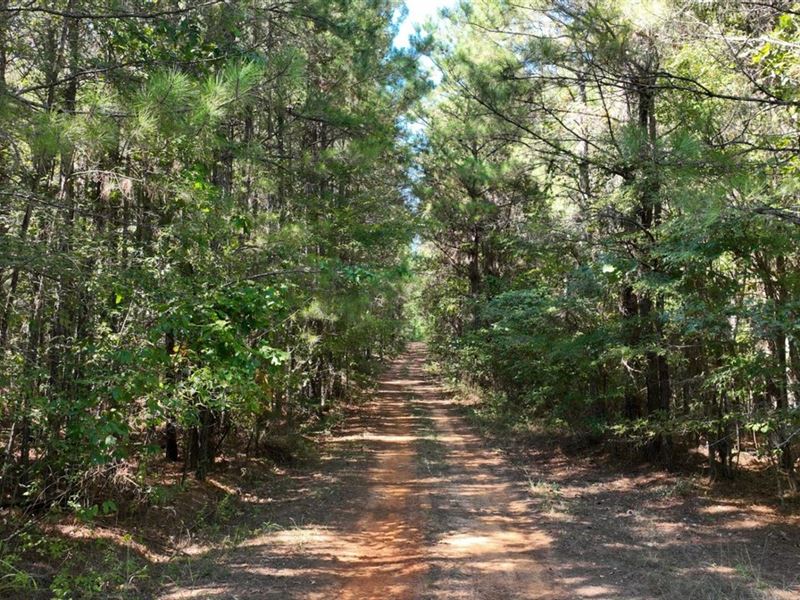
(378, 437)
(468, 542)
(206, 593)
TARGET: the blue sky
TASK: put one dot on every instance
(418, 12)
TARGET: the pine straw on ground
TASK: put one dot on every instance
(626, 530)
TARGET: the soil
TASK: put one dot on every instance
(407, 500)
(409, 503)
(622, 531)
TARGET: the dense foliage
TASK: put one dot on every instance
(203, 222)
(611, 238)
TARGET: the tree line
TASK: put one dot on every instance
(611, 242)
(203, 227)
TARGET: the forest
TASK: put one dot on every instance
(220, 220)
(613, 222)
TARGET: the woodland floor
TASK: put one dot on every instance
(413, 505)
(408, 500)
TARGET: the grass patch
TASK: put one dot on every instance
(547, 494)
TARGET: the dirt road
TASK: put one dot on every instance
(416, 507)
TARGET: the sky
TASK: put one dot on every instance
(418, 12)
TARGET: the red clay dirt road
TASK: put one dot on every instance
(425, 511)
